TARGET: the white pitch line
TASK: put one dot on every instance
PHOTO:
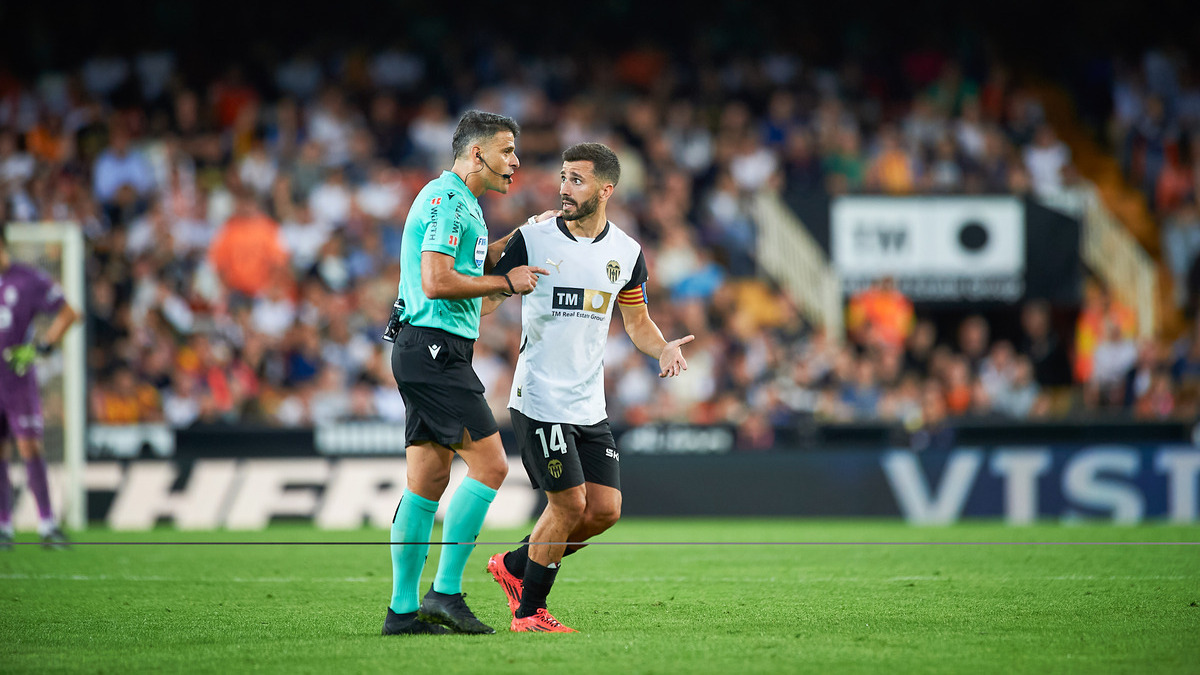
(606, 580)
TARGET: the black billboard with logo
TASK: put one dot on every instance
(951, 250)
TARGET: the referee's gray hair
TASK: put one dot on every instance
(477, 125)
(604, 161)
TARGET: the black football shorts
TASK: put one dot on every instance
(558, 456)
(442, 394)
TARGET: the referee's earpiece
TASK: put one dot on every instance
(507, 176)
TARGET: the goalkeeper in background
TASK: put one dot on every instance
(25, 292)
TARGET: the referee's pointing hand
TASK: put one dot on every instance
(524, 278)
(671, 362)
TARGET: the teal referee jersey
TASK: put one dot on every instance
(444, 218)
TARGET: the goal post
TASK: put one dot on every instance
(58, 248)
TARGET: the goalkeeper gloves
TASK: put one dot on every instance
(20, 357)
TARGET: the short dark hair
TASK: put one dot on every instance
(604, 161)
(476, 125)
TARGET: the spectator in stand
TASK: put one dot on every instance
(124, 400)
(1138, 378)
(974, 338)
(1181, 246)
(182, 403)
(303, 235)
(880, 316)
(1113, 357)
(1185, 357)
(802, 170)
(958, 385)
(993, 164)
(933, 430)
(844, 166)
(998, 371)
(861, 395)
(1045, 159)
(1021, 398)
(49, 142)
(891, 170)
(946, 173)
(1042, 344)
(122, 178)
(1101, 313)
(16, 166)
(331, 200)
(248, 250)
(1151, 140)
(1158, 401)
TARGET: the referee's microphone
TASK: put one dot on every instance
(489, 167)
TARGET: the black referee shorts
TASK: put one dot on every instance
(558, 456)
(442, 394)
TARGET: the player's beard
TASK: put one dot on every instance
(582, 210)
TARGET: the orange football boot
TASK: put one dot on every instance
(508, 583)
(541, 622)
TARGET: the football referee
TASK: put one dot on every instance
(443, 254)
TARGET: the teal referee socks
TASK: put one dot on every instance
(464, 520)
(413, 522)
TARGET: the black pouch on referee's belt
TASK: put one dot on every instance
(393, 324)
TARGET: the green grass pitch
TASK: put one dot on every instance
(899, 608)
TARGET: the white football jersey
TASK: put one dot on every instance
(564, 321)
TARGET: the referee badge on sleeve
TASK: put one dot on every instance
(480, 250)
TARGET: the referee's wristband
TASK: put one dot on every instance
(510, 287)
(43, 348)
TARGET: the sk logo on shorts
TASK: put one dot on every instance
(555, 468)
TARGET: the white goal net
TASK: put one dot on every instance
(58, 249)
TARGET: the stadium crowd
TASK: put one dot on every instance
(1155, 125)
(244, 232)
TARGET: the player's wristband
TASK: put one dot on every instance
(511, 288)
(531, 221)
(43, 348)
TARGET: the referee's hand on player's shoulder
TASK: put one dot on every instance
(524, 278)
(544, 215)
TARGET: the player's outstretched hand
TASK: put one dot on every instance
(19, 358)
(671, 361)
(524, 278)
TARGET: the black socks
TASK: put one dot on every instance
(535, 587)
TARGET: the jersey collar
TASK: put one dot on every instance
(562, 227)
(455, 178)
